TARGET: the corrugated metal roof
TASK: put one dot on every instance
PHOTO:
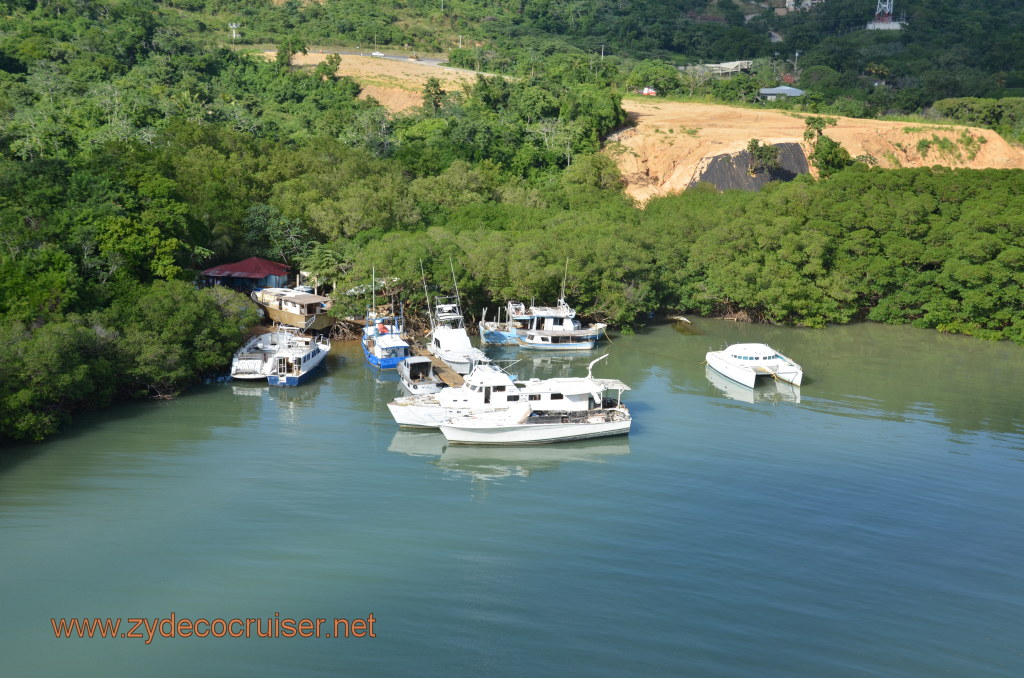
(253, 267)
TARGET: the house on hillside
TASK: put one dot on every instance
(782, 92)
(723, 70)
(247, 274)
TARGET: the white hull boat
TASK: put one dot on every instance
(297, 362)
(283, 357)
(254, 360)
(523, 426)
(488, 388)
(745, 363)
(418, 377)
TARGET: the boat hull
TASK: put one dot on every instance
(747, 376)
(297, 379)
(496, 337)
(320, 321)
(562, 429)
(586, 344)
(381, 363)
(294, 379)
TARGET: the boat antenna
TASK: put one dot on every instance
(564, 276)
(426, 295)
(455, 282)
(594, 362)
(373, 290)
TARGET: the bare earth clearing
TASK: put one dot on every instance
(668, 144)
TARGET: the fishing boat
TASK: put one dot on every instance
(383, 344)
(522, 424)
(448, 339)
(418, 377)
(556, 328)
(293, 307)
(297, 361)
(541, 327)
(490, 388)
(500, 332)
(745, 363)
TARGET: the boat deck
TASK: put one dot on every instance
(447, 374)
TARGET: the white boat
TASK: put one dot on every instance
(296, 362)
(524, 425)
(283, 357)
(541, 327)
(744, 363)
(296, 308)
(489, 388)
(555, 328)
(449, 340)
(254, 359)
(418, 377)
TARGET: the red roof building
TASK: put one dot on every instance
(253, 271)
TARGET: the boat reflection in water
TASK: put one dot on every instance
(768, 390)
(486, 462)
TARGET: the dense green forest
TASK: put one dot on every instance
(137, 148)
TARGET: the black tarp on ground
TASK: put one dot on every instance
(731, 171)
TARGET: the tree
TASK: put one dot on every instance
(763, 157)
(287, 48)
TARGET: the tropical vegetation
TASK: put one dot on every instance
(139, 146)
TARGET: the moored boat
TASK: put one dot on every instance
(296, 308)
(523, 425)
(500, 332)
(255, 358)
(296, 362)
(282, 357)
(418, 377)
(383, 345)
(556, 328)
(449, 340)
(489, 388)
(541, 327)
(745, 363)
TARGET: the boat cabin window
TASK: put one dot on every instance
(556, 396)
(534, 396)
(512, 399)
(499, 389)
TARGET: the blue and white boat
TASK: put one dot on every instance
(503, 333)
(282, 357)
(383, 344)
(382, 340)
(555, 328)
(295, 362)
(541, 327)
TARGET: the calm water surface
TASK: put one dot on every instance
(867, 525)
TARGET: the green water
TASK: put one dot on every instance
(867, 525)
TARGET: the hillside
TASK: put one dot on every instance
(669, 144)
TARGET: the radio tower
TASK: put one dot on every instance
(883, 18)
